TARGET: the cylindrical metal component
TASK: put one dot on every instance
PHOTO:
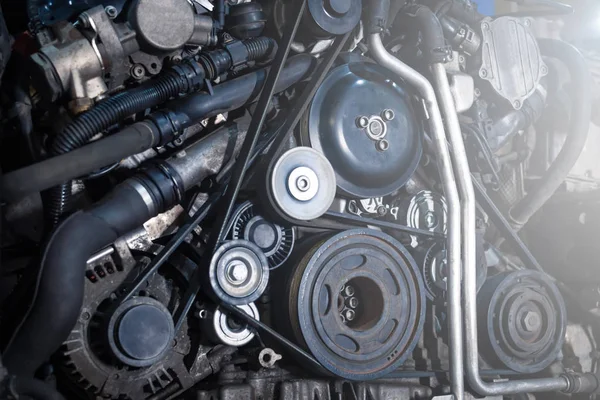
(227, 330)
(239, 272)
(524, 321)
(374, 338)
(274, 240)
(302, 183)
(204, 31)
(207, 156)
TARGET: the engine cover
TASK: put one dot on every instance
(511, 59)
(364, 123)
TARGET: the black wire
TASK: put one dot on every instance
(101, 172)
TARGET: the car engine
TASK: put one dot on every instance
(308, 199)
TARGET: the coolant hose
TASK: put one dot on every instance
(59, 291)
(579, 124)
(183, 78)
(462, 10)
(146, 134)
(419, 17)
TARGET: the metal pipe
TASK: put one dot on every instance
(467, 193)
(102, 253)
(414, 78)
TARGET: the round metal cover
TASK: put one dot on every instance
(348, 121)
(357, 300)
(298, 172)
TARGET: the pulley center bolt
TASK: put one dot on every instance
(430, 220)
(303, 183)
(237, 272)
(387, 115)
(376, 128)
(531, 321)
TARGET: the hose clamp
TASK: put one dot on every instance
(145, 195)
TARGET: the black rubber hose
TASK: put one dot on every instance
(238, 92)
(184, 78)
(33, 389)
(134, 139)
(422, 18)
(146, 134)
(180, 79)
(462, 10)
(59, 291)
(579, 125)
(377, 16)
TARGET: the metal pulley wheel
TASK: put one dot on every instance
(239, 272)
(275, 241)
(522, 321)
(301, 184)
(426, 210)
(366, 126)
(357, 301)
(435, 274)
(222, 328)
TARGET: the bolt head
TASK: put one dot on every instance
(388, 115)
(531, 321)
(430, 220)
(383, 145)
(137, 71)
(303, 183)
(111, 12)
(353, 302)
(350, 315)
(349, 291)
(362, 122)
(237, 272)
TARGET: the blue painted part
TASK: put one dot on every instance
(486, 7)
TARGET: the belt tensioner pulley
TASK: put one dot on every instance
(275, 241)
